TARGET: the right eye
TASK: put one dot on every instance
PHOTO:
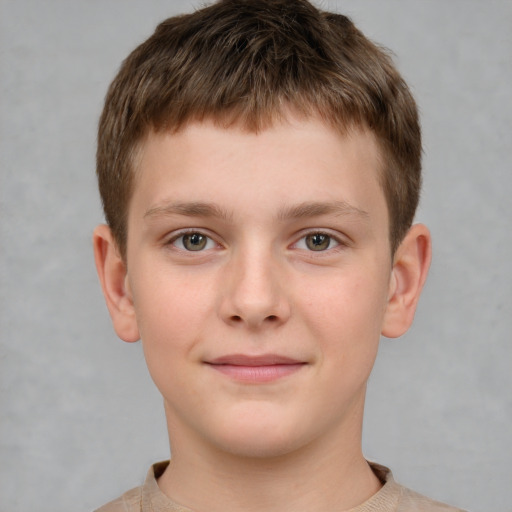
(193, 241)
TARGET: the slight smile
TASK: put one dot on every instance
(256, 369)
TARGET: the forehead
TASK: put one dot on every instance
(294, 161)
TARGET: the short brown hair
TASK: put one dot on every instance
(246, 62)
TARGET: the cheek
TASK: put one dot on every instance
(169, 332)
(171, 315)
(347, 314)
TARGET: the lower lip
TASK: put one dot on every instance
(257, 374)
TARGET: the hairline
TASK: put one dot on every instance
(227, 120)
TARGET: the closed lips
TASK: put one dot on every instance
(256, 369)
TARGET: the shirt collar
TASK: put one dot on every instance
(385, 500)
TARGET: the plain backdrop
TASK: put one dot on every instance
(80, 419)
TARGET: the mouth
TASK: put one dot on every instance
(256, 369)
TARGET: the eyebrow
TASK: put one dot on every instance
(191, 209)
(315, 209)
(299, 211)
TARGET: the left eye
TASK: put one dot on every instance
(317, 242)
(193, 242)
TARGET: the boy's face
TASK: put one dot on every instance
(259, 276)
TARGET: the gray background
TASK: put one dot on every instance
(80, 421)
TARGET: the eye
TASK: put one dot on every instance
(193, 241)
(317, 242)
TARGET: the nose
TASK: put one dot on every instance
(253, 293)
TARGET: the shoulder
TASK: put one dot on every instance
(411, 501)
(140, 498)
(397, 498)
(128, 502)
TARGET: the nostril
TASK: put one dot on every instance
(240, 319)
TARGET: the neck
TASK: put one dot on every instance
(327, 474)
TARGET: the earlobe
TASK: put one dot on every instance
(112, 273)
(410, 269)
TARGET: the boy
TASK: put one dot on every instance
(259, 166)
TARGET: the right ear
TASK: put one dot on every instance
(113, 276)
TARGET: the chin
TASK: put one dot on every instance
(264, 447)
(261, 440)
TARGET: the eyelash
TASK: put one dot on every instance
(303, 240)
(190, 232)
(339, 243)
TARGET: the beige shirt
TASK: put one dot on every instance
(392, 497)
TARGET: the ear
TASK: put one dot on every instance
(113, 276)
(410, 269)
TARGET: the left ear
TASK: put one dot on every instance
(410, 268)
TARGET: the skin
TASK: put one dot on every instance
(278, 437)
